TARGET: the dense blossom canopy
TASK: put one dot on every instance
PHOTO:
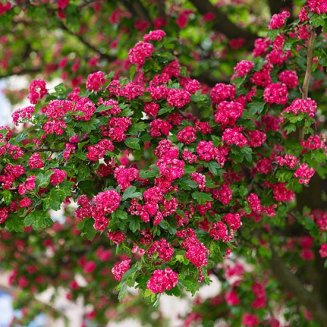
(170, 180)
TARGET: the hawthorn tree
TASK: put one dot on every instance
(185, 141)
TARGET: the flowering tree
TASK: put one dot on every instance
(168, 171)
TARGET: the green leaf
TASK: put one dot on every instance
(119, 215)
(43, 178)
(138, 127)
(38, 220)
(165, 225)
(151, 173)
(87, 229)
(256, 107)
(133, 143)
(130, 193)
(14, 223)
(134, 225)
(247, 153)
(201, 197)
(6, 197)
(214, 167)
(57, 196)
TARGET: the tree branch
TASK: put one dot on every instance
(21, 71)
(290, 282)
(223, 24)
(103, 55)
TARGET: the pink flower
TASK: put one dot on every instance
(232, 298)
(116, 237)
(95, 81)
(187, 135)
(278, 20)
(304, 173)
(58, 176)
(307, 106)
(242, 68)
(162, 248)
(37, 90)
(218, 231)
(178, 98)
(234, 136)
(318, 6)
(3, 214)
(85, 109)
(162, 280)
(120, 268)
(107, 202)
(290, 78)
(140, 52)
(228, 112)
(196, 252)
(156, 35)
(35, 161)
(125, 176)
(222, 92)
(224, 194)
(276, 93)
(323, 250)
(250, 320)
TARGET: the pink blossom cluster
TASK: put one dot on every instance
(124, 176)
(276, 93)
(99, 150)
(162, 280)
(224, 194)
(58, 176)
(156, 35)
(317, 6)
(120, 268)
(242, 68)
(228, 112)
(162, 249)
(289, 78)
(187, 135)
(196, 252)
(234, 136)
(279, 20)
(37, 90)
(307, 106)
(221, 92)
(95, 81)
(57, 109)
(35, 161)
(304, 173)
(23, 113)
(140, 52)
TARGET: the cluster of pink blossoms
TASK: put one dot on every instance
(306, 106)
(304, 173)
(162, 280)
(95, 81)
(276, 93)
(162, 249)
(279, 20)
(37, 90)
(120, 268)
(140, 52)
